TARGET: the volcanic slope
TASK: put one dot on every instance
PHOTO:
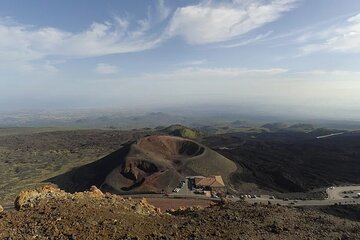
(159, 162)
(149, 165)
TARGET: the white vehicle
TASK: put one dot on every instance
(176, 190)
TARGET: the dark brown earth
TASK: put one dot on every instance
(291, 162)
(166, 204)
(52, 214)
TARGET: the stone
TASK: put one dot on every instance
(95, 192)
(27, 198)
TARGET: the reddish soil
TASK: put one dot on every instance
(158, 163)
(169, 148)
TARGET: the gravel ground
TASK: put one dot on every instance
(91, 215)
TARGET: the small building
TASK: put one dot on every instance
(211, 183)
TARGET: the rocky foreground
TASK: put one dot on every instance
(49, 213)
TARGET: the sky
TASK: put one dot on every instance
(302, 54)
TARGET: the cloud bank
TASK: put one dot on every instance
(22, 42)
(212, 21)
(343, 39)
(206, 22)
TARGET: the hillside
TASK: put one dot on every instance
(181, 131)
(302, 127)
(291, 161)
(275, 126)
(28, 158)
(151, 164)
(282, 161)
(50, 213)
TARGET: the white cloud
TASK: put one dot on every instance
(249, 41)
(210, 22)
(31, 50)
(103, 68)
(44, 68)
(23, 44)
(195, 62)
(163, 10)
(326, 75)
(39, 48)
(205, 74)
(203, 23)
(344, 38)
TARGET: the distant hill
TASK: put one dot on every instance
(239, 123)
(275, 126)
(181, 131)
(302, 127)
(298, 127)
(323, 131)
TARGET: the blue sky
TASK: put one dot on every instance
(69, 54)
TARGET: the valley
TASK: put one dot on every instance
(284, 163)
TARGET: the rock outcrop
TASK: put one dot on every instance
(32, 198)
(95, 192)
(143, 207)
(90, 216)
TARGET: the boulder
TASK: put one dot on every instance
(25, 199)
(28, 198)
(1, 209)
(95, 192)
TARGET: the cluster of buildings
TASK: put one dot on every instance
(209, 186)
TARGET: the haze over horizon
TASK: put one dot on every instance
(296, 57)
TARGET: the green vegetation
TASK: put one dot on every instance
(302, 127)
(182, 131)
(29, 159)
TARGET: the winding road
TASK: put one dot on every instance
(345, 195)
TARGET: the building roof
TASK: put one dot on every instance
(212, 181)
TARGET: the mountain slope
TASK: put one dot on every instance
(53, 214)
(151, 164)
(181, 131)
